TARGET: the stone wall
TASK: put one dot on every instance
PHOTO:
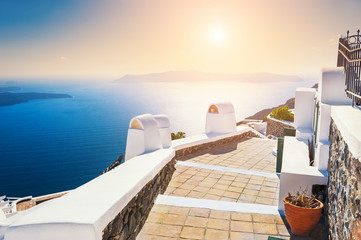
(201, 147)
(128, 223)
(343, 191)
(275, 127)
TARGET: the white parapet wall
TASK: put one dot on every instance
(143, 136)
(332, 87)
(221, 118)
(164, 130)
(304, 111)
(296, 173)
(84, 212)
(331, 92)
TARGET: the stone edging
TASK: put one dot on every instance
(128, 223)
(193, 149)
(275, 127)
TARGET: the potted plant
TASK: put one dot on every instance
(302, 212)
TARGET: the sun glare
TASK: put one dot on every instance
(217, 35)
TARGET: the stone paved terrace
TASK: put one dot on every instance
(229, 192)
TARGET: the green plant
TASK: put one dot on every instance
(301, 199)
(178, 135)
(264, 119)
(282, 113)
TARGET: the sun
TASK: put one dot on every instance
(217, 35)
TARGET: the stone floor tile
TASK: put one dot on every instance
(228, 199)
(247, 198)
(187, 186)
(199, 212)
(250, 192)
(194, 194)
(220, 186)
(282, 230)
(201, 189)
(241, 226)
(169, 230)
(241, 216)
(151, 228)
(266, 194)
(220, 214)
(241, 236)
(265, 228)
(215, 223)
(270, 184)
(253, 186)
(224, 182)
(263, 218)
(261, 237)
(211, 197)
(235, 189)
(181, 192)
(216, 234)
(173, 219)
(238, 184)
(265, 201)
(160, 208)
(231, 194)
(217, 192)
(206, 184)
(155, 217)
(268, 189)
(279, 219)
(196, 221)
(179, 210)
(192, 232)
(192, 182)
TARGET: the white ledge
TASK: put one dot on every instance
(84, 212)
(347, 120)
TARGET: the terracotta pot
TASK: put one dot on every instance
(302, 220)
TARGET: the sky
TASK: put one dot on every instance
(111, 38)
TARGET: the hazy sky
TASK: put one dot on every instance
(116, 37)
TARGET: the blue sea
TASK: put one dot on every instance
(54, 145)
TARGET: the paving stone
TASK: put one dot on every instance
(196, 221)
(241, 226)
(241, 216)
(151, 228)
(173, 219)
(241, 236)
(199, 212)
(179, 210)
(192, 232)
(265, 228)
(169, 230)
(282, 230)
(216, 234)
(263, 218)
(155, 217)
(220, 214)
(215, 223)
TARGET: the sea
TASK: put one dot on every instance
(54, 145)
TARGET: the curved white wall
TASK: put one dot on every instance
(144, 139)
(164, 130)
(222, 120)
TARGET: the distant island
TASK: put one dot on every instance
(8, 98)
(8, 89)
(192, 76)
